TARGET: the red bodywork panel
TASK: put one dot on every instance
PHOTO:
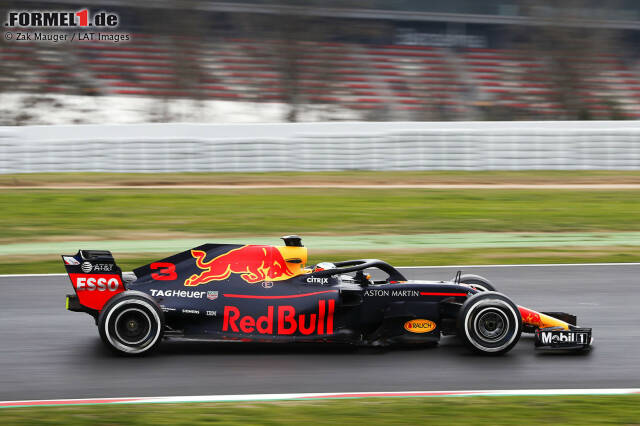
(94, 290)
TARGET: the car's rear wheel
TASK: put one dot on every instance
(489, 323)
(131, 323)
(477, 282)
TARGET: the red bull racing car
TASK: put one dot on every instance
(261, 293)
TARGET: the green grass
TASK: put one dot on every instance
(354, 177)
(569, 410)
(31, 215)
(42, 264)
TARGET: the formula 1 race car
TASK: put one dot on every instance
(261, 293)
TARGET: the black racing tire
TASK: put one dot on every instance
(478, 282)
(489, 323)
(131, 323)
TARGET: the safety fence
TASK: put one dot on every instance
(321, 146)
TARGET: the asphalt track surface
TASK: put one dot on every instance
(47, 352)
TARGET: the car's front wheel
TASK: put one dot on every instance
(489, 323)
(477, 282)
(131, 323)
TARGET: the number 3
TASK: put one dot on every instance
(167, 271)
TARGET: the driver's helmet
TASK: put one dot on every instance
(323, 266)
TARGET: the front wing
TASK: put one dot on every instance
(556, 330)
(557, 338)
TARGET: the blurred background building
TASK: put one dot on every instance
(375, 60)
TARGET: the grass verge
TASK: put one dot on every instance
(569, 410)
(43, 264)
(319, 178)
(33, 215)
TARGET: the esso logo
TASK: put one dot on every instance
(99, 284)
(419, 326)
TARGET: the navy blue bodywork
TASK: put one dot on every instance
(326, 306)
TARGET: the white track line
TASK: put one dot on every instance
(520, 265)
(412, 267)
(312, 396)
(578, 186)
(31, 275)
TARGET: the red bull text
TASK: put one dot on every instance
(281, 320)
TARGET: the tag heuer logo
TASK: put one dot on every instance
(86, 267)
(212, 295)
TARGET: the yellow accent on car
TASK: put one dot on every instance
(297, 253)
(547, 321)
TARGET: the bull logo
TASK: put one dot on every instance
(254, 263)
(529, 316)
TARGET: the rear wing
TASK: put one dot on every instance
(95, 278)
